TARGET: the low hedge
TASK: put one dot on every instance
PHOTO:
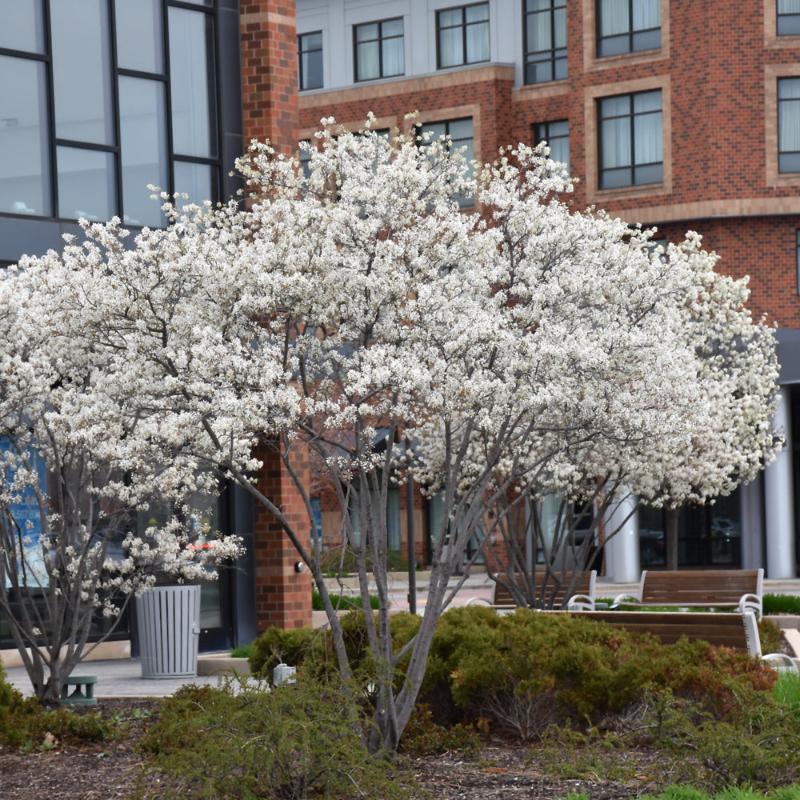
(545, 668)
(781, 604)
(341, 602)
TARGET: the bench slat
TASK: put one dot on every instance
(716, 629)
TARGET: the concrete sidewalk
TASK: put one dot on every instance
(121, 678)
(479, 584)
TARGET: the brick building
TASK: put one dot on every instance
(98, 99)
(663, 124)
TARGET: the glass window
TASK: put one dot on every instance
(631, 140)
(143, 148)
(110, 120)
(139, 35)
(788, 17)
(556, 134)
(21, 25)
(85, 184)
(461, 136)
(309, 57)
(191, 81)
(24, 152)
(545, 40)
(463, 35)
(195, 180)
(393, 519)
(82, 78)
(627, 26)
(789, 125)
(379, 49)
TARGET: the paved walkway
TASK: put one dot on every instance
(121, 678)
(480, 585)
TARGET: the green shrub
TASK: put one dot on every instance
(781, 604)
(787, 691)
(341, 602)
(242, 651)
(342, 561)
(755, 746)
(771, 637)
(314, 651)
(27, 724)
(291, 743)
(276, 645)
(424, 737)
(481, 662)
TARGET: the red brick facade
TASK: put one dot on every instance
(269, 71)
(269, 101)
(717, 70)
(283, 595)
(720, 124)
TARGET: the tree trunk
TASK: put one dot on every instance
(671, 537)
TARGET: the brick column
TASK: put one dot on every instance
(269, 71)
(269, 111)
(283, 596)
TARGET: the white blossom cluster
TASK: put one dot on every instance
(521, 345)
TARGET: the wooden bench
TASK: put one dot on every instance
(735, 588)
(739, 631)
(84, 690)
(582, 596)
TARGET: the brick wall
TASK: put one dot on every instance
(269, 71)
(722, 130)
(269, 99)
(283, 595)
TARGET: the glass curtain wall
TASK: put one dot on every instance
(101, 98)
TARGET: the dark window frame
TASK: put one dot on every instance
(380, 23)
(631, 33)
(554, 51)
(541, 133)
(632, 114)
(792, 20)
(463, 25)
(300, 53)
(54, 142)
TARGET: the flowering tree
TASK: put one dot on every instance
(677, 394)
(70, 487)
(358, 314)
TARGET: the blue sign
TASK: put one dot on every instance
(27, 514)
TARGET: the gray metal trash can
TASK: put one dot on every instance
(169, 627)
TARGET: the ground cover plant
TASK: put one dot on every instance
(26, 724)
(781, 604)
(691, 793)
(291, 743)
(341, 602)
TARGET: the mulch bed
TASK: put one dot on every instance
(112, 771)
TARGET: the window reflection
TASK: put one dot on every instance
(21, 25)
(139, 36)
(86, 186)
(24, 166)
(194, 180)
(191, 79)
(82, 70)
(143, 148)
